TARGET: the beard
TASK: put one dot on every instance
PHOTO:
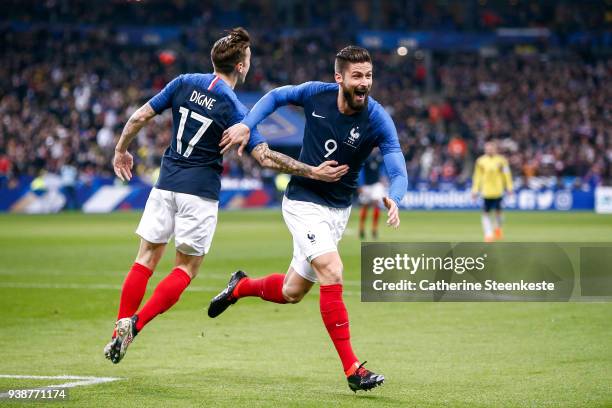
(351, 96)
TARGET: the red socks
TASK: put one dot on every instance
(335, 318)
(169, 290)
(133, 290)
(166, 294)
(375, 215)
(333, 310)
(268, 288)
(363, 214)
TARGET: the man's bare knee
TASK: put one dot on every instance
(295, 287)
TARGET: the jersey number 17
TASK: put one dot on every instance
(196, 138)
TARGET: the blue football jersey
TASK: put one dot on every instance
(331, 135)
(203, 106)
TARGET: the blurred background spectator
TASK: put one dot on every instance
(70, 78)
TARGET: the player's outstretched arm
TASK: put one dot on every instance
(395, 165)
(327, 171)
(123, 160)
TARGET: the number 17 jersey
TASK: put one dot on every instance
(203, 106)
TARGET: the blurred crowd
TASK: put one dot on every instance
(552, 118)
(460, 15)
(64, 96)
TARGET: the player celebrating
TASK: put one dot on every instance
(491, 177)
(184, 203)
(371, 193)
(344, 124)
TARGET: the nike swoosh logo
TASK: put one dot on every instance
(338, 325)
(317, 116)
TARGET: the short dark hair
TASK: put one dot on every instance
(351, 55)
(230, 50)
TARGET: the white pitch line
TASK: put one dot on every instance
(81, 381)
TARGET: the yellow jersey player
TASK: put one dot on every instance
(491, 179)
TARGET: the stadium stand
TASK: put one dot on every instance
(70, 76)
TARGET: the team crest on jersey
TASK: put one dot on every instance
(353, 136)
(311, 237)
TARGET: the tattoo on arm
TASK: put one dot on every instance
(133, 126)
(280, 162)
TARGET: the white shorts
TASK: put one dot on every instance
(316, 230)
(191, 219)
(372, 193)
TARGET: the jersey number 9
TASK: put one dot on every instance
(330, 146)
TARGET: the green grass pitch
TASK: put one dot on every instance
(59, 286)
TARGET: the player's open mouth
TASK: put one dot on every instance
(360, 94)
